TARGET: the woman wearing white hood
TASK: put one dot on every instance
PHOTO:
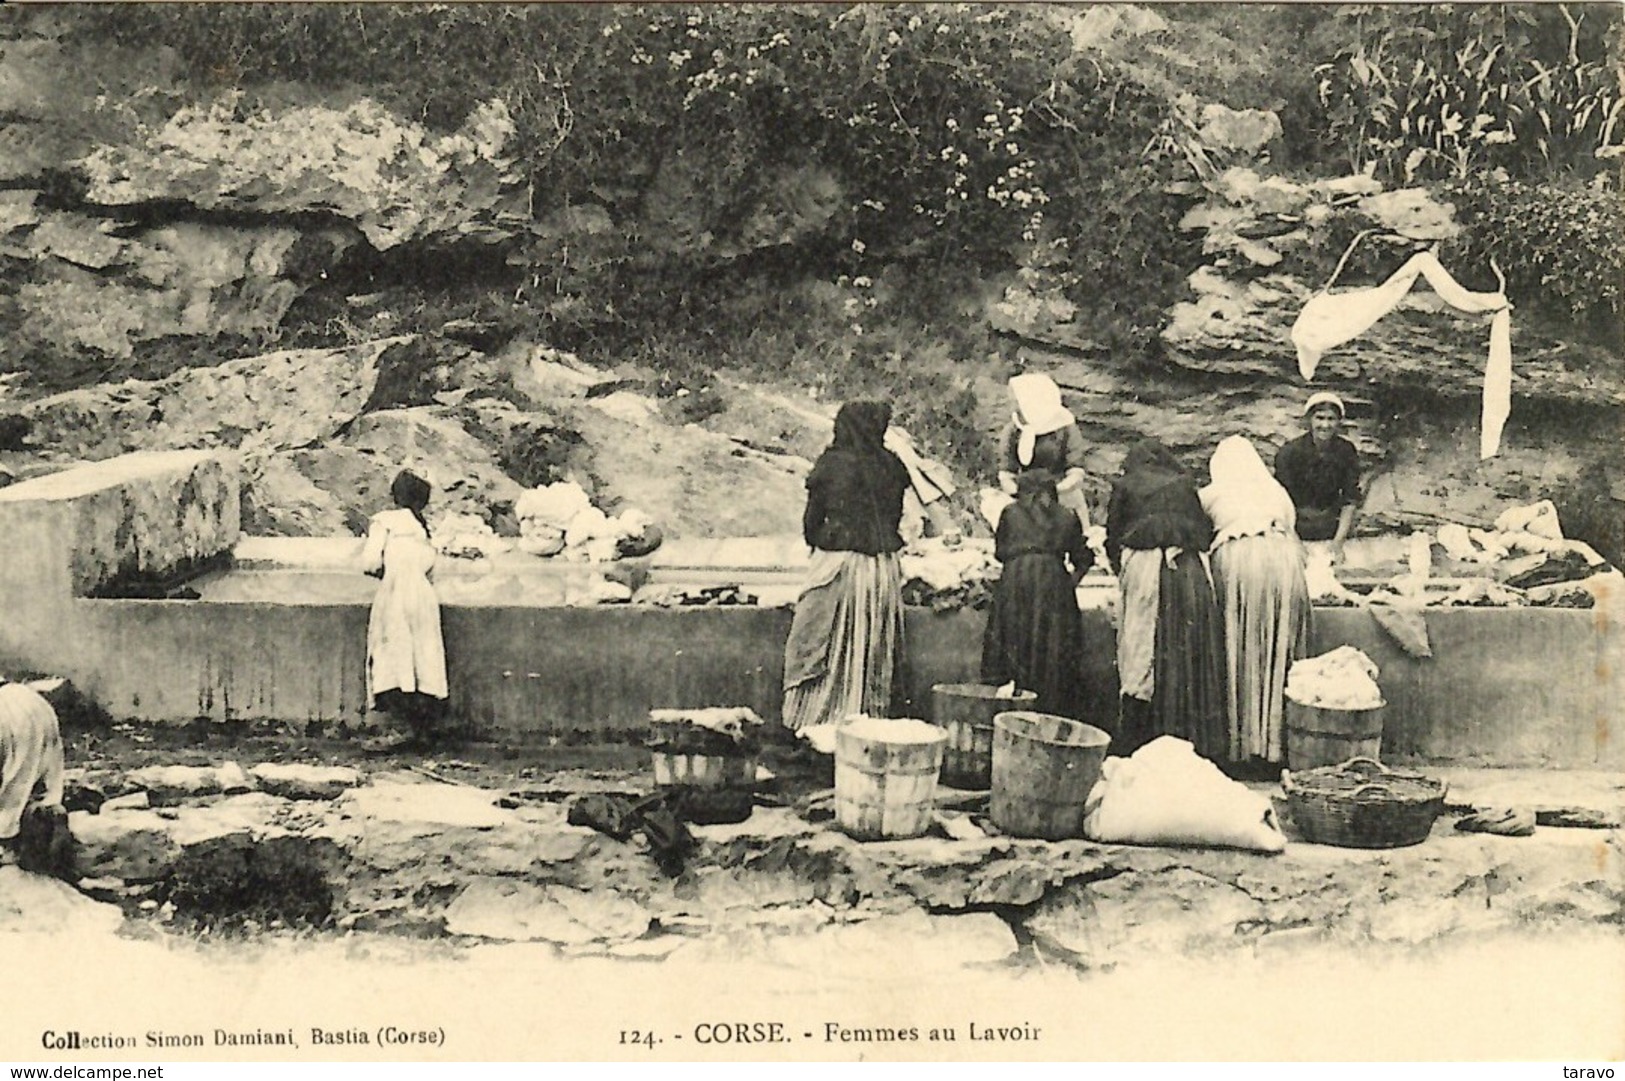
(1043, 434)
(1258, 571)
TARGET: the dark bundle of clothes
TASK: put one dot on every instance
(729, 734)
(45, 845)
(975, 593)
(658, 817)
(1556, 567)
(698, 596)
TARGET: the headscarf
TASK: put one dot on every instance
(1324, 397)
(1038, 411)
(860, 427)
(1244, 497)
(1036, 484)
(411, 491)
(859, 444)
(1154, 504)
(1150, 456)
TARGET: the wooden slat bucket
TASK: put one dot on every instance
(707, 758)
(885, 788)
(1316, 736)
(1043, 769)
(966, 711)
(703, 770)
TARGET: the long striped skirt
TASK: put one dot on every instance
(1170, 651)
(845, 639)
(1266, 607)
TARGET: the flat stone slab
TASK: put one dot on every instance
(169, 784)
(431, 805)
(516, 911)
(39, 905)
(305, 782)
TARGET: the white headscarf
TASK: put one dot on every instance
(1038, 411)
(1244, 498)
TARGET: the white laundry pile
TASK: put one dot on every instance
(595, 589)
(560, 520)
(1330, 319)
(943, 566)
(894, 730)
(1521, 539)
(820, 737)
(730, 721)
(1167, 794)
(467, 537)
(1345, 678)
(1322, 579)
(712, 730)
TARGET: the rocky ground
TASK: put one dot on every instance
(319, 868)
(437, 848)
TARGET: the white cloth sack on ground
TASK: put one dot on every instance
(1167, 794)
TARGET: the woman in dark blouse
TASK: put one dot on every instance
(847, 633)
(1034, 633)
(1320, 470)
(1170, 637)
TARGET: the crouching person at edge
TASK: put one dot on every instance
(34, 831)
(843, 655)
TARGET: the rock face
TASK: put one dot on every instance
(362, 162)
(257, 405)
(318, 458)
(303, 185)
(107, 293)
(118, 525)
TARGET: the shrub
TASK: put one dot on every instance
(1426, 92)
(1558, 242)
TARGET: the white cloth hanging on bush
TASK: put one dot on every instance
(1330, 319)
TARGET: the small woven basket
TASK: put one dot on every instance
(1362, 803)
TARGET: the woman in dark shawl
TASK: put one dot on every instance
(1170, 637)
(1034, 633)
(847, 632)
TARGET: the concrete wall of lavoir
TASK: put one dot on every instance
(1505, 686)
(120, 525)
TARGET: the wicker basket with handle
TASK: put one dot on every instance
(1362, 803)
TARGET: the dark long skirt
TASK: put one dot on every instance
(1034, 633)
(1190, 697)
(1188, 664)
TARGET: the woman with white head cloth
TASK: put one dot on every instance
(1043, 434)
(1258, 574)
